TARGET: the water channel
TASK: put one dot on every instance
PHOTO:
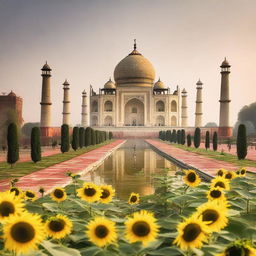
(130, 169)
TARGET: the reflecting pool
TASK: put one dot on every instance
(130, 169)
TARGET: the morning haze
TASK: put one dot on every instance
(84, 40)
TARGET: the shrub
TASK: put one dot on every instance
(88, 136)
(189, 140)
(35, 144)
(75, 138)
(81, 137)
(207, 140)
(93, 137)
(183, 137)
(174, 136)
(179, 137)
(13, 144)
(197, 137)
(110, 135)
(241, 142)
(64, 138)
(215, 141)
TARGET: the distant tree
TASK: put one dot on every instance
(179, 137)
(93, 137)
(13, 144)
(241, 142)
(211, 124)
(250, 129)
(174, 136)
(35, 145)
(197, 137)
(64, 138)
(27, 128)
(189, 140)
(215, 141)
(207, 140)
(110, 135)
(88, 136)
(81, 137)
(75, 138)
(183, 137)
(248, 113)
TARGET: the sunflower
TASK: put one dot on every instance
(192, 232)
(239, 249)
(221, 172)
(191, 178)
(141, 227)
(101, 231)
(16, 191)
(58, 195)
(89, 192)
(30, 195)
(58, 226)
(134, 198)
(107, 193)
(241, 172)
(229, 175)
(220, 182)
(214, 214)
(9, 205)
(216, 194)
(23, 233)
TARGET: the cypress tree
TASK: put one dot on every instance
(160, 134)
(197, 137)
(88, 136)
(183, 137)
(64, 138)
(174, 136)
(97, 136)
(75, 138)
(215, 141)
(93, 137)
(241, 142)
(168, 135)
(35, 145)
(13, 144)
(81, 137)
(110, 135)
(178, 137)
(189, 140)
(207, 140)
(164, 135)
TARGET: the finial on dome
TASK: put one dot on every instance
(135, 45)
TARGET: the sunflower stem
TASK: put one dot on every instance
(247, 206)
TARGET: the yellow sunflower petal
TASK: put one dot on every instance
(134, 198)
(220, 182)
(107, 194)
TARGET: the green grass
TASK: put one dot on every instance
(226, 157)
(24, 168)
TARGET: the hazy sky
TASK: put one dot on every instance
(84, 40)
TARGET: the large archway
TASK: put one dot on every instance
(134, 113)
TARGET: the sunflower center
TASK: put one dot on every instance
(89, 191)
(6, 208)
(215, 193)
(242, 171)
(220, 173)
(238, 172)
(58, 193)
(210, 215)
(191, 177)
(141, 228)
(191, 232)
(22, 232)
(105, 194)
(101, 231)
(57, 225)
(133, 199)
(30, 194)
(235, 251)
(228, 176)
(17, 192)
(219, 184)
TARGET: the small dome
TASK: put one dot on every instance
(12, 94)
(66, 83)
(184, 91)
(46, 67)
(159, 85)
(199, 82)
(134, 70)
(109, 84)
(225, 63)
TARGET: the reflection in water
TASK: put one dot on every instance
(130, 168)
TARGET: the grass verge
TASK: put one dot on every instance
(24, 168)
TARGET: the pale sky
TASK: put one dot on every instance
(84, 40)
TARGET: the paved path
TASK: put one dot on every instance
(203, 163)
(55, 175)
(25, 154)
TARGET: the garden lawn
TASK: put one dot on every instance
(23, 168)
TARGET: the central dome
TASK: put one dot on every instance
(134, 70)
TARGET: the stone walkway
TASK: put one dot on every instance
(205, 164)
(55, 176)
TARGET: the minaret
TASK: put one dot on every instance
(224, 126)
(184, 109)
(45, 122)
(66, 104)
(84, 122)
(199, 102)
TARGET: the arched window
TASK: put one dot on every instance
(160, 106)
(108, 106)
(108, 121)
(134, 110)
(95, 106)
(173, 121)
(174, 106)
(94, 121)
